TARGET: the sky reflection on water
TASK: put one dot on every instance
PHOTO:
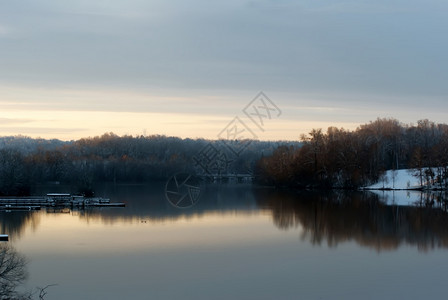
(238, 243)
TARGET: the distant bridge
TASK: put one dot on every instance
(229, 178)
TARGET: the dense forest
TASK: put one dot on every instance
(337, 158)
(25, 162)
(340, 158)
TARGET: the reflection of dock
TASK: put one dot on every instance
(58, 210)
(54, 200)
(19, 207)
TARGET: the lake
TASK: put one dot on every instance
(237, 242)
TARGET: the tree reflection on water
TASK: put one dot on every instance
(14, 223)
(322, 217)
(337, 217)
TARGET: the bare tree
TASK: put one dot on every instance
(393, 174)
(12, 273)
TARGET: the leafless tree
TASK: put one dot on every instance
(12, 272)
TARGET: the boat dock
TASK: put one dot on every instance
(53, 200)
(4, 238)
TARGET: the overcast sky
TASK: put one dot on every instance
(186, 68)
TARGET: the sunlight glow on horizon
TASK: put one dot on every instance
(71, 114)
(73, 125)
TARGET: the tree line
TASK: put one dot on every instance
(340, 158)
(25, 162)
(337, 158)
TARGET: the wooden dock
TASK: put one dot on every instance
(53, 200)
(24, 201)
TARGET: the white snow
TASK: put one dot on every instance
(397, 180)
(398, 187)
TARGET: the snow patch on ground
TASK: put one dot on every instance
(397, 180)
(399, 187)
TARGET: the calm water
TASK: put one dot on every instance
(236, 243)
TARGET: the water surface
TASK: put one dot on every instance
(236, 243)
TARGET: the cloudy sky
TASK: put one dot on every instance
(70, 69)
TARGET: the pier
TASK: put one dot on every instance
(54, 200)
(4, 238)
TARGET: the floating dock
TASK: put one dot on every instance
(53, 200)
(4, 238)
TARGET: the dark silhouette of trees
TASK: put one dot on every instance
(349, 159)
(14, 178)
(335, 158)
(277, 168)
(110, 158)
